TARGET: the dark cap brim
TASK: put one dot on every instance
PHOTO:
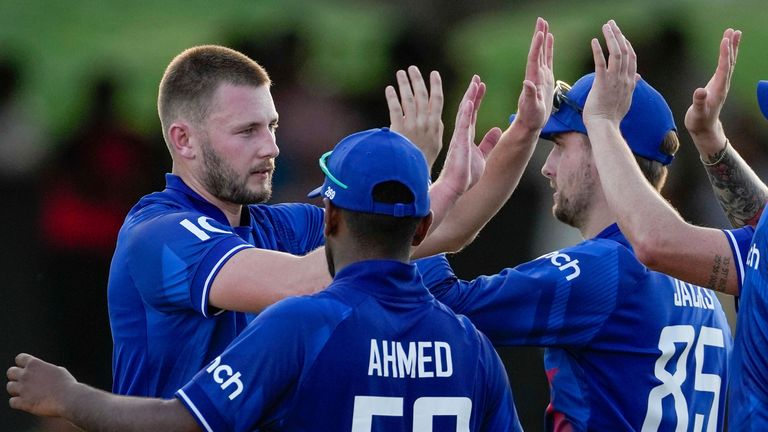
(552, 127)
(316, 192)
(555, 126)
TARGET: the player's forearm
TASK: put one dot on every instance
(662, 240)
(476, 207)
(643, 215)
(99, 411)
(254, 279)
(441, 200)
(739, 190)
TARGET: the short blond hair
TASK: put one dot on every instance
(193, 76)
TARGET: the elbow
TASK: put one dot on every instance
(648, 249)
(439, 242)
(456, 244)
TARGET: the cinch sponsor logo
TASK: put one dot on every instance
(564, 263)
(330, 193)
(217, 369)
(753, 257)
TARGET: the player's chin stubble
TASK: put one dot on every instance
(223, 182)
(571, 211)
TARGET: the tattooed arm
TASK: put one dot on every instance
(738, 189)
(741, 193)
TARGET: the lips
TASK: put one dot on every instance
(268, 170)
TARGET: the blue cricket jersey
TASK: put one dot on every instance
(749, 364)
(373, 352)
(627, 348)
(169, 250)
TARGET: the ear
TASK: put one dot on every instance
(179, 133)
(331, 219)
(422, 229)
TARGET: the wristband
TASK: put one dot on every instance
(720, 159)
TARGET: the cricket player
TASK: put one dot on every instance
(375, 351)
(730, 261)
(193, 259)
(626, 348)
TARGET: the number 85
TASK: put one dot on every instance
(671, 383)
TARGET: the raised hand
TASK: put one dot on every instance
(703, 116)
(417, 114)
(38, 387)
(465, 162)
(506, 153)
(611, 93)
(535, 102)
(462, 149)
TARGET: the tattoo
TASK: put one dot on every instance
(718, 280)
(738, 189)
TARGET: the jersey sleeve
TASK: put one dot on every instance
(299, 225)
(739, 240)
(258, 370)
(250, 385)
(173, 258)
(559, 299)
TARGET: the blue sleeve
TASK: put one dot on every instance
(299, 225)
(500, 413)
(173, 258)
(740, 239)
(559, 299)
(251, 384)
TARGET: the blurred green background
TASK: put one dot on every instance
(339, 54)
(63, 43)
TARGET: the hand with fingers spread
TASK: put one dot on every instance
(465, 162)
(417, 114)
(611, 93)
(535, 102)
(703, 116)
(498, 162)
(462, 144)
(38, 387)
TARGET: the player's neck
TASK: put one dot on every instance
(351, 253)
(232, 211)
(599, 218)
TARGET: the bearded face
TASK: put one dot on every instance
(225, 183)
(572, 174)
(573, 197)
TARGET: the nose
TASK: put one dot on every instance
(548, 169)
(270, 149)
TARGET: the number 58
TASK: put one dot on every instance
(424, 409)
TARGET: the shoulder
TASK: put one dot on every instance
(602, 261)
(602, 252)
(160, 223)
(157, 208)
(305, 313)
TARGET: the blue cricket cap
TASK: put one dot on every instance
(362, 160)
(762, 97)
(647, 122)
